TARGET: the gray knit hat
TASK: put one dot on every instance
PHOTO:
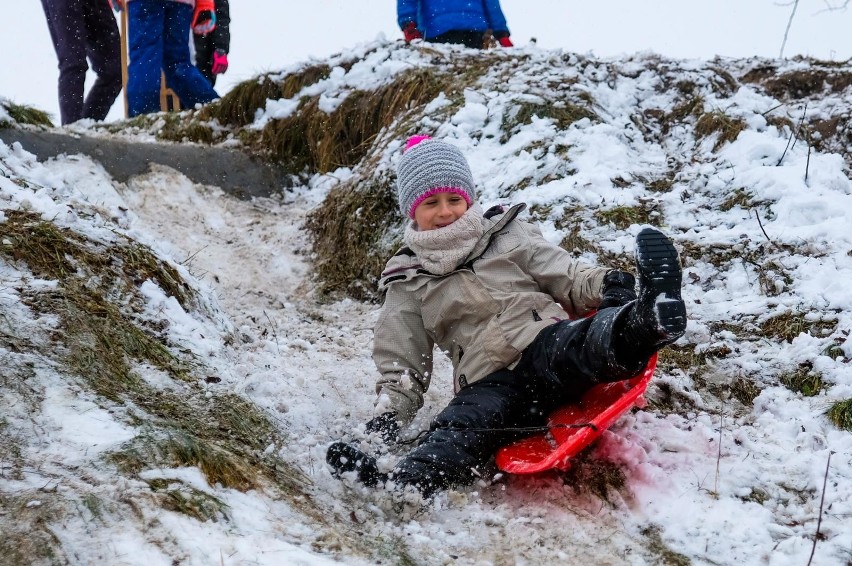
(428, 167)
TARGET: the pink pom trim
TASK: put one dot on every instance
(414, 140)
(431, 192)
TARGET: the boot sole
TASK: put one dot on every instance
(660, 278)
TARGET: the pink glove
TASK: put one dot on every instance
(505, 41)
(220, 62)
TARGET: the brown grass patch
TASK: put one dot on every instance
(239, 105)
(622, 217)
(805, 83)
(745, 391)
(320, 142)
(595, 476)
(562, 113)
(789, 325)
(179, 497)
(180, 127)
(760, 74)
(27, 537)
(692, 106)
(665, 555)
(739, 198)
(97, 283)
(717, 122)
(353, 237)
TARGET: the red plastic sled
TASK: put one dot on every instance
(575, 426)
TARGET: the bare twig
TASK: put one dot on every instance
(274, 332)
(192, 256)
(719, 454)
(821, 502)
(776, 107)
(808, 162)
(831, 8)
(794, 132)
(759, 223)
(787, 30)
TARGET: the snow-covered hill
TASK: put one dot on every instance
(176, 360)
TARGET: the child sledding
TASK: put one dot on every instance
(513, 312)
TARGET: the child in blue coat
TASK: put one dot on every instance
(158, 40)
(450, 21)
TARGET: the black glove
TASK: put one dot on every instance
(617, 289)
(385, 426)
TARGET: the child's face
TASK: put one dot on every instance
(439, 210)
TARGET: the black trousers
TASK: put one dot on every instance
(468, 38)
(82, 29)
(563, 361)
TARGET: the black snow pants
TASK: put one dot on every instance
(81, 29)
(563, 361)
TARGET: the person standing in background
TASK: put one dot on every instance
(211, 49)
(451, 21)
(157, 42)
(81, 29)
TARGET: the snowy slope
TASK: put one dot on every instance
(726, 465)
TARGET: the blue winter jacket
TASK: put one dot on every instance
(435, 17)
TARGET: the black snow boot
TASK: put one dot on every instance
(344, 457)
(658, 316)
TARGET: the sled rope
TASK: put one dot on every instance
(543, 428)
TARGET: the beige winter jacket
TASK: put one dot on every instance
(482, 315)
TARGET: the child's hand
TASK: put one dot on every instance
(220, 62)
(204, 22)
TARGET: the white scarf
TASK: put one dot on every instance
(442, 249)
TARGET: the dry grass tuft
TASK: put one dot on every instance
(840, 414)
(717, 122)
(739, 198)
(622, 217)
(29, 539)
(179, 448)
(355, 231)
(745, 391)
(179, 497)
(22, 114)
(773, 277)
(805, 83)
(239, 105)
(660, 185)
(803, 380)
(223, 434)
(591, 475)
(562, 113)
(321, 142)
(692, 106)
(789, 325)
(665, 555)
(187, 127)
(684, 358)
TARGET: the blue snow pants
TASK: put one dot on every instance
(158, 38)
